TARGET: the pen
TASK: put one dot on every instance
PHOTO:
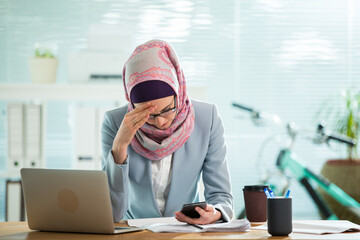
(267, 192)
(272, 193)
(287, 193)
(197, 226)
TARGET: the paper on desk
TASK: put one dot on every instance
(158, 225)
(319, 226)
(141, 222)
(165, 224)
(236, 225)
(173, 228)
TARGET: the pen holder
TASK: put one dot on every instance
(279, 213)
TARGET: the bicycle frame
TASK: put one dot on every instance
(287, 160)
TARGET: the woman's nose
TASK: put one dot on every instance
(160, 120)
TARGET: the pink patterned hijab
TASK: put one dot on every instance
(157, 60)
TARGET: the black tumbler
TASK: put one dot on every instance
(255, 202)
(279, 213)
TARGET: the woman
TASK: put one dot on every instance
(156, 147)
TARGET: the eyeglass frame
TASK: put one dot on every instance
(153, 117)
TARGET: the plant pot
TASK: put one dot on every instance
(43, 70)
(346, 175)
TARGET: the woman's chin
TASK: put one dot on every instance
(162, 127)
(158, 127)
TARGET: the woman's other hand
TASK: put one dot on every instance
(131, 123)
(207, 216)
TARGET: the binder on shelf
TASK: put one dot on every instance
(87, 136)
(33, 135)
(14, 203)
(24, 137)
(15, 138)
(84, 137)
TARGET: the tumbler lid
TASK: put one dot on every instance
(255, 188)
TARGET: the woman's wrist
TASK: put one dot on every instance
(119, 153)
(218, 215)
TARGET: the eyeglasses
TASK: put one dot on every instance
(164, 114)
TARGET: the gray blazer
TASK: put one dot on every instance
(204, 152)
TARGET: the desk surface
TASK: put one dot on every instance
(20, 230)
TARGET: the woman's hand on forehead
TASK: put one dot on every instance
(139, 107)
(160, 104)
(132, 121)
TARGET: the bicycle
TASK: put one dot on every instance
(288, 161)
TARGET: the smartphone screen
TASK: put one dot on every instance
(189, 209)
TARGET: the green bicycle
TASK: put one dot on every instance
(288, 161)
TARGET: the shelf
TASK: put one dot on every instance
(77, 92)
(63, 92)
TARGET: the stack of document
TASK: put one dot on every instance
(170, 224)
(320, 226)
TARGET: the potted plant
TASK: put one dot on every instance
(43, 66)
(344, 117)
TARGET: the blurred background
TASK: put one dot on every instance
(284, 57)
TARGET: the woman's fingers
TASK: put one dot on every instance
(178, 217)
(131, 123)
(183, 218)
(141, 122)
(207, 216)
(140, 108)
(142, 115)
(201, 220)
(201, 211)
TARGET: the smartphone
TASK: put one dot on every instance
(189, 209)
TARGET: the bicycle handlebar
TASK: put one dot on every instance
(346, 140)
(254, 113)
(258, 115)
(328, 135)
(243, 107)
(325, 135)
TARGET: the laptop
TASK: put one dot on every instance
(69, 201)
